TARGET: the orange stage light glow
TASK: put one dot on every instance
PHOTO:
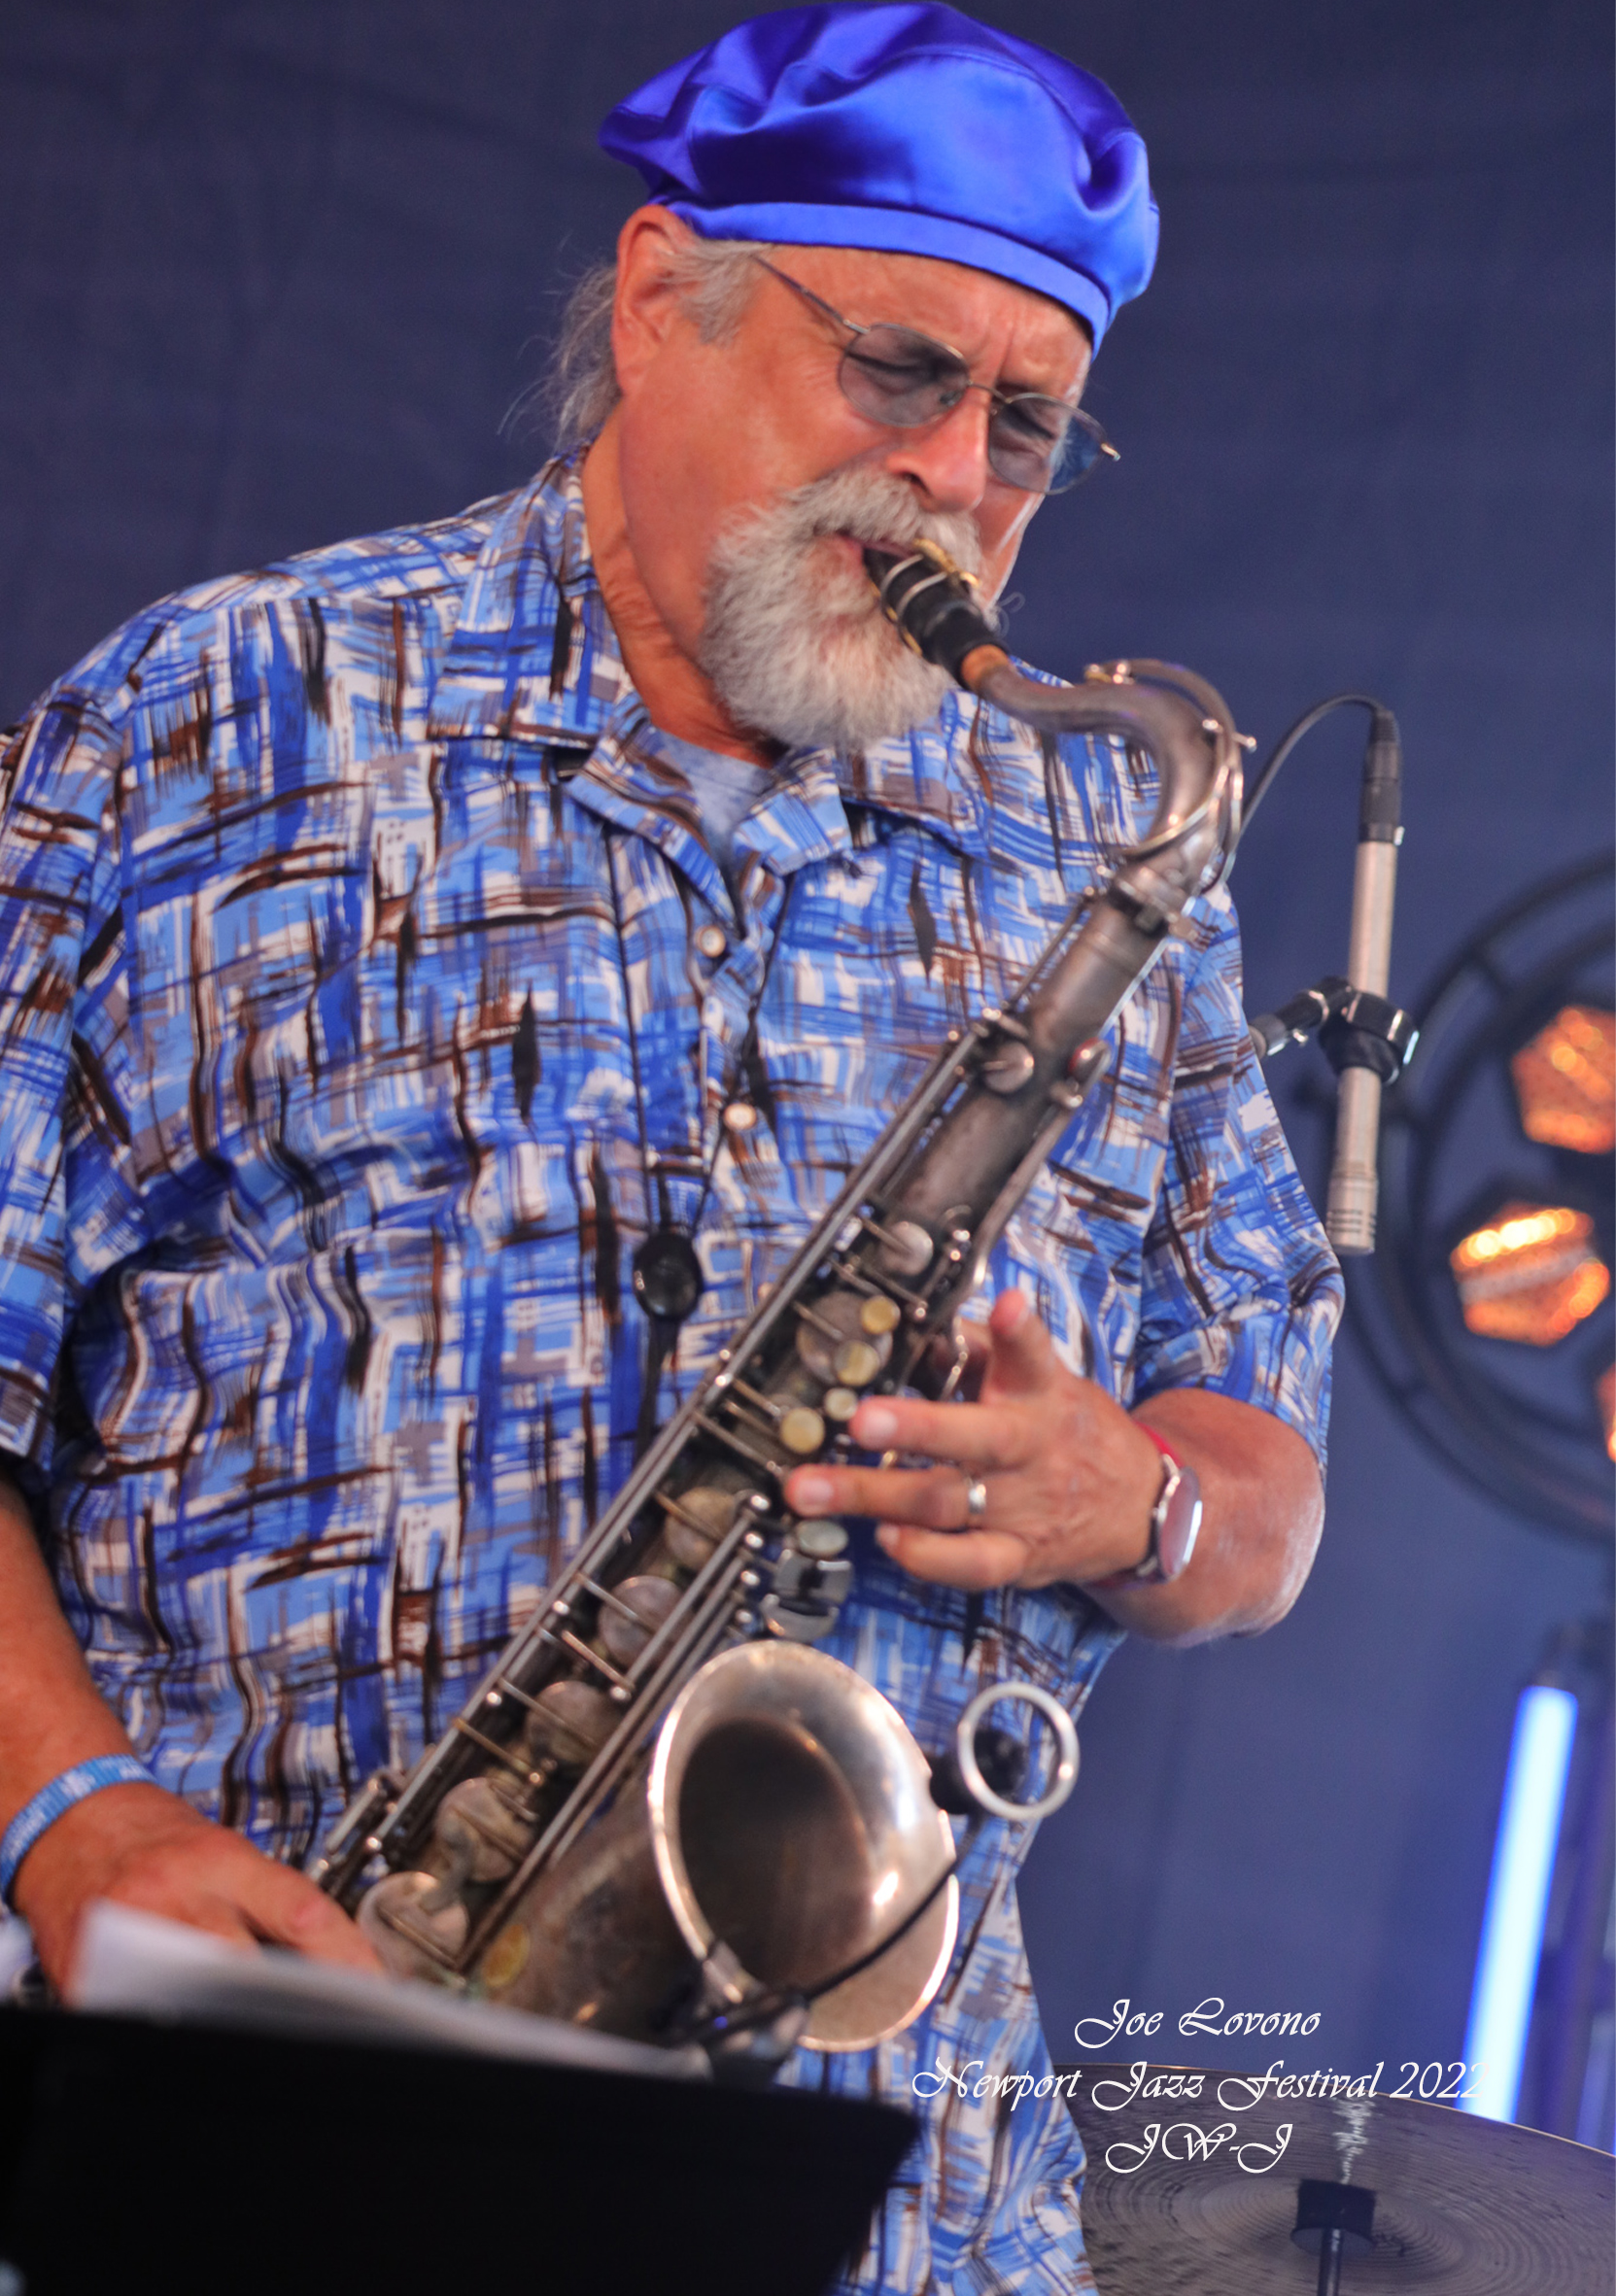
(1565, 1082)
(1532, 1273)
(1605, 1390)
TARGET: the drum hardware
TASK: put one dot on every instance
(1226, 2196)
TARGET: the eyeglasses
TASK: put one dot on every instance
(894, 375)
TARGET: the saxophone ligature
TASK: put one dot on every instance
(663, 1813)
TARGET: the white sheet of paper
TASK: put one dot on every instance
(132, 1964)
(16, 1953)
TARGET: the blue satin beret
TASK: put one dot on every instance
(906, 127)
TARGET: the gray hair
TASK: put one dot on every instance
(716, 277)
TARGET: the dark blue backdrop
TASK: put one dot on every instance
(272, 270)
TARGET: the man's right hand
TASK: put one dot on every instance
(140, 1846)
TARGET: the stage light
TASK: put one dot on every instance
(1565, 1082)
(1605, 1390)
(1532, 1273)
(1517, 1898)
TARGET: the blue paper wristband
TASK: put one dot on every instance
(49, 1803)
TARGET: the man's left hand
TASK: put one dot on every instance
(1069, 1480)
(1068, 1484)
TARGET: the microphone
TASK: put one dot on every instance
(1363, 1057)
(1365, 1036)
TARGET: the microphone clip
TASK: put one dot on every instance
(1368, 1031)
(1354, 1028)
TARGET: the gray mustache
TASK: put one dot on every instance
(872, 508)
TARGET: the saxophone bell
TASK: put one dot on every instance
(792, 1819)
(785, 1826)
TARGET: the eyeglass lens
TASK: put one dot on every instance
(1038, 443)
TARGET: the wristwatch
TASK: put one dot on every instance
(1175, 1521)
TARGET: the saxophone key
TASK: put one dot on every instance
(479, 1833)
(417, 1927)
(1009, 1068)
(802, 1430)
(906, 1247)
(837, 1323)
(807, 1597)
(638, 1608)
(570, 1722)
(696, 1520)
(798, 1425)
(858, 1362)
(822, 1537)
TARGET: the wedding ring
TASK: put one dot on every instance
(975, 1498)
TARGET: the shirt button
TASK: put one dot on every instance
(739, 1116)
(711, 940)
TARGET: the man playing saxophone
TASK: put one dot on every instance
(444, 976)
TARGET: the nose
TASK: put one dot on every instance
(947, 457)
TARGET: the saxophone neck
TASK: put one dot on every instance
(1180, 721)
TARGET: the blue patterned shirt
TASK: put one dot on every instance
(357, 1000)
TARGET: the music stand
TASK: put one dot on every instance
(200, 2159)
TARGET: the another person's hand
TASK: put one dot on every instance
(141, 1846)
(1068, 1479)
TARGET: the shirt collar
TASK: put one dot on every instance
(534, 658)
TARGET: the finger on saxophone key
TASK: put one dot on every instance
(811, 1494)
(877, 1425)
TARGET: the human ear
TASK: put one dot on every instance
(648, 304)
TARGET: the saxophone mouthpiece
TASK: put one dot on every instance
(938, 610)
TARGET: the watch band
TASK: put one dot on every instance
(1175, 1521)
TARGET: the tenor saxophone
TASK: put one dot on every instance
(663, 1813)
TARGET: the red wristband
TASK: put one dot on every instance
(1166, 1448)
(1157, 1567)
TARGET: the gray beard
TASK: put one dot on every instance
(795, 643)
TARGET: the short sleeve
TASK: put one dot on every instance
(69, 1206)
(1240, 1290)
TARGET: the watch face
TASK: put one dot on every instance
(1178, 1523)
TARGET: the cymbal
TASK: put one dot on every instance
(1206, 2204)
